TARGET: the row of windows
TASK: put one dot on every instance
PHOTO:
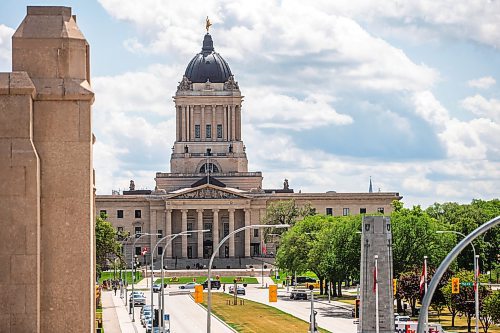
(138, 230)
(119, 213)
(208, 131)
(346, 211)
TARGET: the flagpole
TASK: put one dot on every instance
(425, 291)
(377, 325)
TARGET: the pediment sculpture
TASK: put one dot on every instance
(207, 193)
(185, 84)
(231, 84)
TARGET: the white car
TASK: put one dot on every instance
(189, 285)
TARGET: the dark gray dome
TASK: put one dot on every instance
(208, 65)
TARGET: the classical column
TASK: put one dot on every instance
(199, 234)
(190, 123)
(214, 124)
(233, 123)
(168, 230)
(225, 123)
(184, 224)
(202, 125)
(215, 230)
(183, 123)
(248, 233)
(153, 229)
(231, 229)
(178, 123)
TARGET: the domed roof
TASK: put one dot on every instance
(208, 65)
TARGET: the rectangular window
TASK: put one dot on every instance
(380, 210)
(119, 213)
(362, 210)
(137, 213)
(189, 228)
(256, 232)
(102, 212)
(160, 233)
(138, 251)
(137, 231)
(160, 250)
(219, 131)
(209, 131)
(226, 229)
(197, 134)
(345, 211)
(207, 226)
(329, 211)
(119, 232)
(190, 252)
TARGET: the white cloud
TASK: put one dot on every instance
(289, 112)
(482, 83)
(483, 107)
(5, 48)
(275, 31)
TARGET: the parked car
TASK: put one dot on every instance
(189, 285)
(138, 299)
(215, 284)
(156, 288)
(298, 294)
(239, 290)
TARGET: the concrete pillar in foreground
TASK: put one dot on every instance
(376, 241)
(47, 208)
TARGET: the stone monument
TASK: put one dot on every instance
(377, 302)
(47, 254)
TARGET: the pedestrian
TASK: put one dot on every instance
(114, 288)
(224, 287)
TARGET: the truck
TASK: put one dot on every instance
(411, 327)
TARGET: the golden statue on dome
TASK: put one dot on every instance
(208, 24)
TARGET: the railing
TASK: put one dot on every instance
(219, 174)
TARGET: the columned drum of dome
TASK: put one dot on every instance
(208, 65)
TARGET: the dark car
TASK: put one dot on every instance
(215, 284)
(302, 280)
(298, 294)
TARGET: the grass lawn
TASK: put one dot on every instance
(201, 279)
(255, 317)
(127, 275)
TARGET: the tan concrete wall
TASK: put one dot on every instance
(20, 207)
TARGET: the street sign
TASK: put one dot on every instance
(273, 293)
(466, 284)
(166, 317)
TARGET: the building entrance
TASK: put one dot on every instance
(207, 248)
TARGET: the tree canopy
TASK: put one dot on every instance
(106, 242)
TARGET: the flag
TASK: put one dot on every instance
(422, 279)
(264, 248)
(375, 279)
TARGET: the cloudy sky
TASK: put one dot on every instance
(406, 92)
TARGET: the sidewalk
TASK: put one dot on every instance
(115, 316)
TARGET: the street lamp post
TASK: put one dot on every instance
(476, 291)
(216, 250)
(133, 275)
(171, 238)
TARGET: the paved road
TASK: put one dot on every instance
(185, 315)
(331, 316)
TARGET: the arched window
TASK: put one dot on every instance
(212, 168)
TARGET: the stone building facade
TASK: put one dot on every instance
(209, 185)
(47, 278)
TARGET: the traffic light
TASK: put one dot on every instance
(273, 293)
(356, 311)
(198, 294)
(394, 286)
(455, 285)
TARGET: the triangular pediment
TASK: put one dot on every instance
(208, 191)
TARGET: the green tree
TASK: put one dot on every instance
(490, 312)
(464, 301)
(105, 242)
(338, 250)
